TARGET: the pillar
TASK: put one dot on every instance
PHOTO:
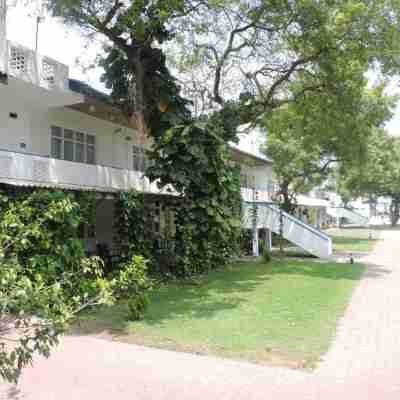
(256, 251)
(268, 239)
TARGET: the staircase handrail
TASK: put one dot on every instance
(293, 219)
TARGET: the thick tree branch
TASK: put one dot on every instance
(220, 64)
(286, 76)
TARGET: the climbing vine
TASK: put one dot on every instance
(132, 233)
(194, 159)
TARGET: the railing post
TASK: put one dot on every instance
(255, 245)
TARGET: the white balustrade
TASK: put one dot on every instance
(32, 170)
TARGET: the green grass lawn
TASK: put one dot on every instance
(353, 240)
(282, 313)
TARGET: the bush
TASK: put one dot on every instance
(266, 256)
(46, 279)
(132, 283)
(137, 306)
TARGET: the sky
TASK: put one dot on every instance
(69, 46)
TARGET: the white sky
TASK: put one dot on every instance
(66, 45)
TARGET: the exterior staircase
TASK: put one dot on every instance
(266, 215)
(351, 216)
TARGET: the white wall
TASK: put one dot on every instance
(14, 132)
(32, 127)
(261, 175)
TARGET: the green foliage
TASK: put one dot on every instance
(131, 283)
(131, 278)
(194, 160)
(266, 255)
(245, 242)
(45, 277)
(137, 306)
(377, 176)
(132, 225)
(305, 137)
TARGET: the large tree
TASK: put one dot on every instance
(255, 51)
(379, 174)
(305, 139)
(235, 49)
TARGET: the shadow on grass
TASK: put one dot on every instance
(221, 290)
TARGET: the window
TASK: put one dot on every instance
(69, 145)
(140, 159)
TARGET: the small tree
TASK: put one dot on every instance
(45, 277)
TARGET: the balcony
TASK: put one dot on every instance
(34, 79)
(31, 170)
(22, 169)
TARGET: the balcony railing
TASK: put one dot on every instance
(35, 170)
(25, 64)
(264, 194)
(32, 170)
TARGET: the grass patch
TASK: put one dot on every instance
(282, 313)
(353, 240)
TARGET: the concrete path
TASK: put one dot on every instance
(363, 362)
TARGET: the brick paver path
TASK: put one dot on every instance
(363, 362)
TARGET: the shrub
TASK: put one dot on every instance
(266, 256)
(137, 306)
(132, 283)
(45, 277)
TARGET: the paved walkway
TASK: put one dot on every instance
(363, 362)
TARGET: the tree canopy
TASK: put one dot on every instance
(307, 138)
(378, 175)
(249, 52)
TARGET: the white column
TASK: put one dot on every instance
(268, 239)
(3, 36)
(256, 251)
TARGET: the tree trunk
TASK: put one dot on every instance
(138, 114)
(395, 211)
(288, 205)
